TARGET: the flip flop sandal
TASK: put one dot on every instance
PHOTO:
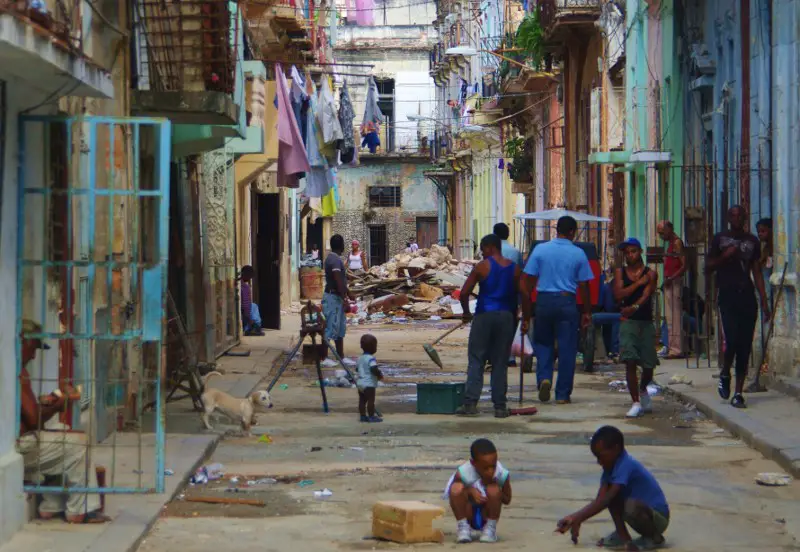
(612, 541)
(93, 518)
(648, 544)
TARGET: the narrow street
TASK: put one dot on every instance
(706, 473)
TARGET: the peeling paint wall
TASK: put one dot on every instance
(419, 199)
(785, 95)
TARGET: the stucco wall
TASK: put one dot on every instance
(12, 501)
(419, 199)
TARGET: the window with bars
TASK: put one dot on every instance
(385, 196)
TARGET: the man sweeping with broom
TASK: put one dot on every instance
(492, 328)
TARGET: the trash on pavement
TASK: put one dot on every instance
(266, 439)
(653, 389)
(359, 449)
(207, 473)
(680, 379)
(305, 483)
(168, 471)
(619, 385)
(283, 386)
(324, 493)
(773, 479)
(262, 481)
(315, 449)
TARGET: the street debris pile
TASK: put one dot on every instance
(421, 285)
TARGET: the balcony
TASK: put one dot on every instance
(400, 143)
(282, 25)
(186, 61)
(41, 49)
(560, 18)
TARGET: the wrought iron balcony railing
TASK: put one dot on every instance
(552, 12)
(186, 46)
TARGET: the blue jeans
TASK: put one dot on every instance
(255, 319)
(610, 322)
(556, 319)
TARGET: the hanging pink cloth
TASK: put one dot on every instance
(364, 15)
(292, 156)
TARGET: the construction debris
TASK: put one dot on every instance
(417, 285)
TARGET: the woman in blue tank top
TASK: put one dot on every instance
(493, 325)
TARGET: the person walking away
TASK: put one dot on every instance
(251, 315)
(634, 286)
(55, 451)
(557, 270)
(492, 328)
(511, 253)
(357, 260)
(674, 269)
(734, 256)
(334, 302)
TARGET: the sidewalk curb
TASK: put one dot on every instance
(771, 444)
(148, 520)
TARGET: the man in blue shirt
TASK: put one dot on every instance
(511, 253)
(557, 270)
(629, 492)
(507, 250)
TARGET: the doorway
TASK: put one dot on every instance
(267, 258)
(314, 236)
(427, 231)
(378, 250)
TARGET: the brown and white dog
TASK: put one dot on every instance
(243, 410)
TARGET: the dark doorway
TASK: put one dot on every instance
(314, 236)
(267, 258)
(377, 245)
(427, 231)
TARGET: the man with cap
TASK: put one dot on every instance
(53, 451)
(634, 286)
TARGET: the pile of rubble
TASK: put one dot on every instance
(419, 285)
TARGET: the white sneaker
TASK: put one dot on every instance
(328, 363)
(349, 362)
(488, 535)
(635, 411)
(464, 534)
(646, 401)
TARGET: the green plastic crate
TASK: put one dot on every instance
(439, 398)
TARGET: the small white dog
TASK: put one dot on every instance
(236, 409)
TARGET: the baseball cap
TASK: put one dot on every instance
(630, 242)
(29, 326)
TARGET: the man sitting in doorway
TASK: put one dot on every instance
(53, 451)
(251, 315)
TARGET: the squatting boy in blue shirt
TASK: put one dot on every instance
(629, 492)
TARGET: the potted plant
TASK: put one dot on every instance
(520, 169)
